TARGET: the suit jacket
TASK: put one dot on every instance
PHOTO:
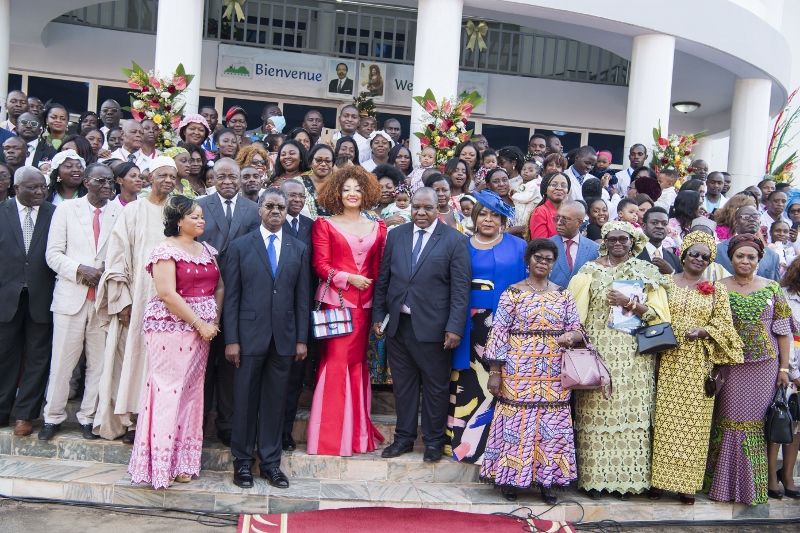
(438, 289)
(769, 267)
(217, 232)
(303, 229)
(18, 268)
(259, 307)
(347, 87)
(70, 244)
(587, 251)
(669, 257)
(44, 151)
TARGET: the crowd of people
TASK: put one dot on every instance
(162, 285)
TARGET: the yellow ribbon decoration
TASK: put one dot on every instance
(476, 33)
(231, 5)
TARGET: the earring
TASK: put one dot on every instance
(58, 179)
(179, 229)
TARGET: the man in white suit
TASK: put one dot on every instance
(76, 250)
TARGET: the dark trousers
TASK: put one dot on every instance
(413, 362)
(37, 341)
(259, 399)
(219, 379)
(295, 386)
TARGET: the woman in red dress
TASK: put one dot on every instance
(351, 245)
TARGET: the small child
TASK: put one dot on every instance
(527, 194)
(401, 205)
(273, 142)
(488, 162)
(427, 158)
(602, 164)
(467, 203)
(628, 211)
(779, 234)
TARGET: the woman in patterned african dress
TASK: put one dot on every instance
(530, 440)
(741, 464)
(701, 319)
(613, 436)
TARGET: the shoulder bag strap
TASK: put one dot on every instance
(325, 291)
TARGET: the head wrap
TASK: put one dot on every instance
(60, 157)
(492, 201)
(605, 153)
(162, 161)
(699, 237)
(792, 197)
(194, 119)
(649, 186)
(639, 238)
(232, 111)
(174, 151)
(279, 123)
(382, 134)
(745, 239)
(403, 188)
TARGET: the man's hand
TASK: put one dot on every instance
(376, 328)
(451, 340)
(125, 316)
(663, 266)
(301, 351)
(233, 353)
(89, 276)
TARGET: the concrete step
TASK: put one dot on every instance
(214, 491)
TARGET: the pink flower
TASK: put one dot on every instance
(446, 107)
(662, 142)
(133, 84)
(424, 141)
(153, 102)
(175, 121)
(430, 106)
(154, 82)
(446, 125)
(138, 115)
(179, 82)
(466, 110)
(444, 143)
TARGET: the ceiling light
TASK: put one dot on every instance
(686, 107)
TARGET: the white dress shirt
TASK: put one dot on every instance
(265, 233)
(142, 161)
(102, 211)
(624, 180)
(225, 206)
(667, 198)
(767, 221)
(364, 151)
(575, 189)
(21, 211)
(651, 250)
(425, 238)
(31, 151)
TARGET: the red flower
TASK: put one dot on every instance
(705, 287)
(446, 124)
(138, 115)
(167, 108)
(690, 169)
(683, 140)
(431, 127)
(464, 120)
(171, 89)
(687, 152)
(424, 141)
(664, 161)
(444, 143)
(662, 142)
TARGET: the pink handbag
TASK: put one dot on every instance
(584, 369)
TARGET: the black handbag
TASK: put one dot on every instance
(656, 338)
(794, 406)
(778, 423)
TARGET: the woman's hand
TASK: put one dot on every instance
(617, 298)
(394, 220)
(494, 384)
(207, 331)
(359, 282)
(696, 333)
(569, 339)
(104, 154)
(783, 379)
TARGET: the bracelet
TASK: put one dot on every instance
(194, 321)
(631, 304)
(493, 372)
(783, 370)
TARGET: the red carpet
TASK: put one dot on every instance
(389, 519)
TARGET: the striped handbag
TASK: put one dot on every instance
(331, 322)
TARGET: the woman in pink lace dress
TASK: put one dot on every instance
(178, 324)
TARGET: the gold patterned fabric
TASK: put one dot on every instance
(612, 437)
(683, 411)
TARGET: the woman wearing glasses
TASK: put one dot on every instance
(320, 159)
(253, 156)
(554, 190)
(701, 319)
(613, 436)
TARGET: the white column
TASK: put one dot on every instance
(179, 39)
(5, 46)
(438, 28)
(750, 132)
(326, 27)
(649, 89)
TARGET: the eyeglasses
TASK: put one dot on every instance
(566, 220)
(31, 123)
(557, 186)
(296, 196)
(101, 181)
(621, 240)
(323, 161)
(750, 217)
(694, 254)
(5, 175)
(542, 259)
(258, 162)
(270, 207)
(794, 211)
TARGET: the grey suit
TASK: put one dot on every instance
(219, 234)
(437, 291)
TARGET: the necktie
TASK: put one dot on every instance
(131, 158)
(341, 84)
(27, 228)
(96, 230)
(273, 257)
(228, 213)
(294, 226)
(417, 249)
(657, 253)
(569, 243)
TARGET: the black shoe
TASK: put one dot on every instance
(548, 497)
(396, 449)
(654, 493)
(224, 436)
(276, 478)
(794, 494)
(48, 431)
(129, 437)
(287, 443)
(624, 496)
(778, 495)
(509, 494)
(433, 454)
(594, 494)
(86, 431)
(242, 477)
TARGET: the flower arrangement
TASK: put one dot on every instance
(365, 104)
(782, 171)
(444, 124)
(158, 99)
(674, 152)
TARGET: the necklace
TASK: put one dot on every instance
(608, 258)
(534, 289)
(739, 283)
(691, 282)
(487, 242)
(446, 212)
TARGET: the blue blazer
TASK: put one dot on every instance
(587, 251)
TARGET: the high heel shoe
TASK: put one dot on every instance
(686, 499)
(655, 494)
(778, 495)
(794, 494)
(548, 497)
(509, 494)
(594, 494)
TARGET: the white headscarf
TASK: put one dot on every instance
(382, 134)
(162, 161)
(60, 157)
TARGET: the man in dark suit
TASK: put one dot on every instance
(424, 285)
(266, 327)
(342, 84)
(654, 225)
(227, 216)
(26, 323)
(298, 226)
(30, 129)
(573, 249)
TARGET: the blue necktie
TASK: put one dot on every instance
(273, 258)
(294, 226)
(417, 249)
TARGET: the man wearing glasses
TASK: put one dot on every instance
(573, 249)
(78, 258)
(29, 129)
(748, 220)
(110, 115)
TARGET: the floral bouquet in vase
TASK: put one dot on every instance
(674, 152)
(158, 99)
(444, 124)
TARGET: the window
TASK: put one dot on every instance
(611, 143)
(73, 95)
(499, 136)
(14, 82)
(569, 139)
(120, 94)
